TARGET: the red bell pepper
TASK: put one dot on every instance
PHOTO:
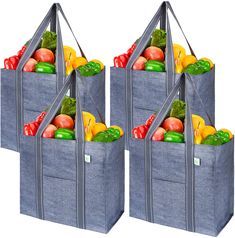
(121, 61)
(140, 132)
(30, 129)
(12, 62)
(150, 120)
(41, 117)
(21, 52)
(131, 50)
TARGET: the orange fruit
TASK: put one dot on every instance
(198, 122)
(119, 128)
(98, 127)
(179, 52)
(79, 61)
(210, 61)
(229, 132)
(98, 62)
(208, 130)
(188, 59)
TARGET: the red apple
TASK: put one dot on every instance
(30, 65)
(139, 63)
(159, 134)
(44, 55)
(49, 131)
(154, 53)
(173, 124)
(63, 121)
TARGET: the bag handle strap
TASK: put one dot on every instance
(80, 151)
(184, 81)
(161, 15)
(53, 18)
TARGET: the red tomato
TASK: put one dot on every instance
(63, 121)
(49, 131)
(159, 134)
(44, 55)
(30, 65)
(154, 53)
(173, 124)
(139, 63)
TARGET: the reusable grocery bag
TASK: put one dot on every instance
(72, 182)
(182, 185)
(136, 94)
(34, 92)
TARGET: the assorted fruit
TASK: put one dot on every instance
(153, 57)
(43, 59)
(63, 125)
(172, 128)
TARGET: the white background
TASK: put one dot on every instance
(105, 29)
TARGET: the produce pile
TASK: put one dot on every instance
(43, 59)
(153, 58)
(172, 128)
(63, 125)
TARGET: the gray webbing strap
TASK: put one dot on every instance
(80, 151)
(184, 81)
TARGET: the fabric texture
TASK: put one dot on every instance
(104, 182)
(213, 185)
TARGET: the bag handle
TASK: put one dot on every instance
(80, 151)
(161, 15)
(53, 18)
(184, 81)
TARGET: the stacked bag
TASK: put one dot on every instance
(70, 172)
(181, 168)
(72, 165)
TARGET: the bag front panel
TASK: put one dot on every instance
(205, 85)
(96, 87)
(59, 186)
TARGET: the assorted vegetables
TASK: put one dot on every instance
(43, 59)
(63, 125)
(172, 128)
(153, 57)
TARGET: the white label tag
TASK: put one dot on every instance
(197, 161)
(87, 158)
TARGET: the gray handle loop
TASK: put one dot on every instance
(53, 18)
(80, 151)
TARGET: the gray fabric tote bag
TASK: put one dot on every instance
(34, 92)
(72, 182)
(182, 185)
(136, 94)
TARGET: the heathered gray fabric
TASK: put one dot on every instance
(104, 182)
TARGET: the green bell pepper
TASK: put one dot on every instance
(200, 67)
(115, 133)
(224, 136)
(212, 140)
(64, 134)
(89, 69)
(173, 136)
(155, 65)
(44, 67)
(103, 136)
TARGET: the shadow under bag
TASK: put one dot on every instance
(136, 94)
(56, 184)
(182, 185)
(24, 95)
